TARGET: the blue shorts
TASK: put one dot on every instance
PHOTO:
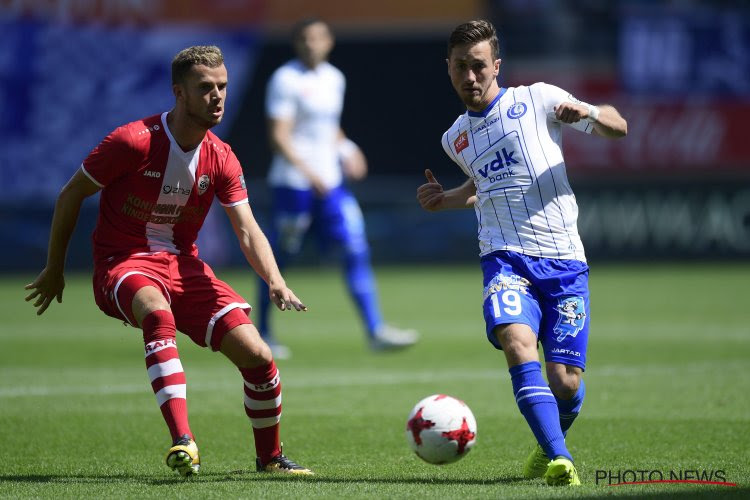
(549, 295)
(335, 218)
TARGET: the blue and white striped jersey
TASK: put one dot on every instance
(513, 152)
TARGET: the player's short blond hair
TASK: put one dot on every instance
(204, 55)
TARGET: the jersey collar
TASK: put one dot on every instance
(486, 111)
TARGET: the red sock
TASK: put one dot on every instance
(263, 406)
(165, 371)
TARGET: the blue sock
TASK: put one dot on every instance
(538, 406)
(361, 284)
(569, 408)
(263, 309)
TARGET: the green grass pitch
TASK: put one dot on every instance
(667, 389)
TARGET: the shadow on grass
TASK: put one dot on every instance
(698, 492)
(214, 477)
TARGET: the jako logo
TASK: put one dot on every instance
(517, 110)
(499, 163)
(151, 173)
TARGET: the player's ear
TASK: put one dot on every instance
(448, 63)
(497, 66)
(178, 91)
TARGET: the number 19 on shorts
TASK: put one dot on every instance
(507, 302)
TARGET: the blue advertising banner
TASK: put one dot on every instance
(64, 86)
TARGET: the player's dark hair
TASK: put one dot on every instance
(303, 24)
(204, 55)
(473, 32)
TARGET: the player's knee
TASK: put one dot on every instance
(564, 381)
(518, 341)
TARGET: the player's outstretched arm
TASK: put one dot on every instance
(258, 253)
(50, 283)
(432, 197)
(606, 119)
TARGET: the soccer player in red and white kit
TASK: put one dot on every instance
(158, 177)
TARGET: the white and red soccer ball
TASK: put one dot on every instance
(441, 429)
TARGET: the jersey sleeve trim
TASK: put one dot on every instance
(235, 203)
(83, 169)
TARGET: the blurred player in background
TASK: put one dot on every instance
(312, 156)
(509, 144)
(158, 177)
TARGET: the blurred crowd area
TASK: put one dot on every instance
(679, 71)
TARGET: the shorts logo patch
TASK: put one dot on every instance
(572, 317)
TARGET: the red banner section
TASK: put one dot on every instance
(668, 137)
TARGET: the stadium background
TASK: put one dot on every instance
(677, 187)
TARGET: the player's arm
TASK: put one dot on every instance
(51, 281)
(280, 135)
(258, 253)
(432, 197)
(606, 120)
(353, 160)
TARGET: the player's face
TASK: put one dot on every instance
(313, 44)
(203, 94)
(473, 73)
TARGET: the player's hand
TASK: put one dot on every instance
(47, 286)
(570, 112)
(431, 194)
(318, 186)
(353, 162)
(285, 299)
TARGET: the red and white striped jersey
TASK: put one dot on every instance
(155, 196)
(513, 152)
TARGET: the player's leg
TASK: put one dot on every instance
(512, 316)
(213, 315)
(144, 301)
(342, 222)
(290, 220)
(533, 396)
(569, 389)
(262, 386)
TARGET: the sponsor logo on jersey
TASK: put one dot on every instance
(242, 181)
(517, 110)
(152, 173)
(461, 142)
(167, 189)
(203, 182)
(572, 317)
(499, 163)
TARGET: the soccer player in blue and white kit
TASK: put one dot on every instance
(509, 144)
(304, 101)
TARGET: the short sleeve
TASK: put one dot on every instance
(280, 96)
(112, 158)
(231, 189)
(552, 96)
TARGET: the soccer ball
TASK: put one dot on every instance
(441, 429)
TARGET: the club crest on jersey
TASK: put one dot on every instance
(203, 182)
(461, 142)
(572, 317)
(517, 110)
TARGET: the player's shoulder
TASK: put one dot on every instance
(214, 145)
(332, 71)
(456, 125)
(138, 134)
